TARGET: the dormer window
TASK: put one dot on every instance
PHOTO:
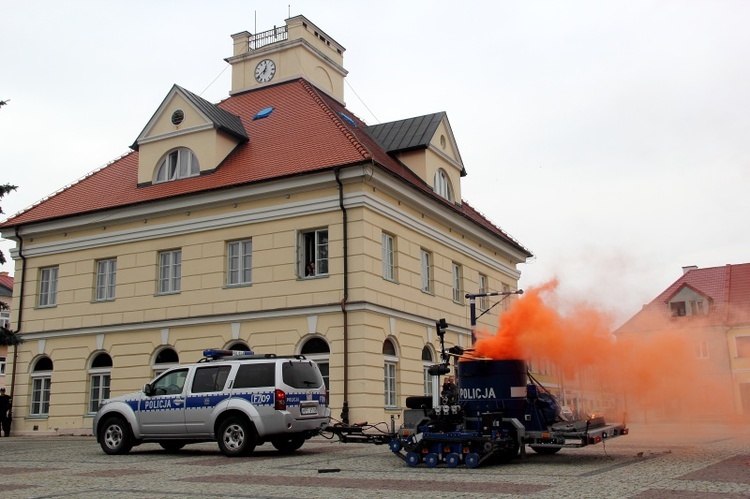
(442, 185)
(180, 163)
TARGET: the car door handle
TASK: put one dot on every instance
(178, 400)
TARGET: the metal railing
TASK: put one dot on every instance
(264, 38)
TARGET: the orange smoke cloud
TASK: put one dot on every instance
(650, 375)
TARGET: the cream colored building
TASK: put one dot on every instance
(204, 236)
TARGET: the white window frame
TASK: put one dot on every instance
(177, 164)
(390, 371)
(97, 394)
(389, 256)
(170, 272)
(483, 288)
(240, 262)
(425, 258)
(41, 384)
(106, 280)
(430, 382)
(323, 359)
(456, 278)
(48, 279)
(315, 241)
(5, 319)
(442, 185)
(3, 362)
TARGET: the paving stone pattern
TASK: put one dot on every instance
(653, 462)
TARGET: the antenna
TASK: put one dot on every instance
(255, 26)
(289, 11)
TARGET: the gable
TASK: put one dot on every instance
(185, 120)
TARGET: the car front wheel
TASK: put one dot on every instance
(115, 437)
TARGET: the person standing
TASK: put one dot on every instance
(5, 415)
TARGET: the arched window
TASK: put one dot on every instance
(165, 359)
(180, 163)
(99, 380)
(240, 346)
(41, 381)
(442, 185)
(317, 350)
(390, 361)
(430, 382)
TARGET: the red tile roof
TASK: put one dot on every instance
(305, 133)
(6, 281)
(727, 289)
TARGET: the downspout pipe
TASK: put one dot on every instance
(20, 314)
(345, 406)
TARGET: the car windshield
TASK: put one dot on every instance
(301, 374)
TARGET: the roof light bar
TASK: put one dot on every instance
(218, 354)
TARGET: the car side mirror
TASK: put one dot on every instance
(148, 389)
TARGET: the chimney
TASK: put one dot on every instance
(688, 268)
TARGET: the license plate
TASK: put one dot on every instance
(309, 410)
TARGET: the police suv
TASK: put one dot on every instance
(237, 398)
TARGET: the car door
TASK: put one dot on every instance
(161, 411)
(206, 391)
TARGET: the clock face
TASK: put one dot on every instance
(265, 70)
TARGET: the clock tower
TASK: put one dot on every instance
(299, 49)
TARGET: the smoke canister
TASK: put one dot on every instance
(492, 386)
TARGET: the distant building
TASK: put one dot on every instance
(6, 296)
(275, 220)
(711, 308)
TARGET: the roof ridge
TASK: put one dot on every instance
(336, 121)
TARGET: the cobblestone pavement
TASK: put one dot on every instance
(654, 461)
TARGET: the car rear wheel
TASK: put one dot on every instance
(288, 444)
(115, 437)
(236, 437)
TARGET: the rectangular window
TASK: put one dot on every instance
(2, 366)
(701, 350)
(458, 295)
(483, 288)
(426, 271)
(390, 384)
(428, 382)
(696, 307)
(106, 273)
(48, 287)
(239, 262)
(5, 319)
(506, 298)
(40, 390)
(678, 309)
(99, 390)
(313, 248)
(743, 346)
(170, 270)
(210, 379)
(389, 257)
(255, 376)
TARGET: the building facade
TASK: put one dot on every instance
(710, 311)
(275, 220)
(6, 297)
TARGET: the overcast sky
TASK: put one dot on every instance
(609, 138)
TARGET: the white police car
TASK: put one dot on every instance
(237, 398)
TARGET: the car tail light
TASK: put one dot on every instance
(279, 400)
